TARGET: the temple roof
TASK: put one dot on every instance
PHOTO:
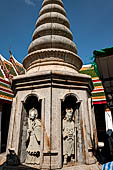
(98, 94)
(8, 69)
(18, 66)
(104, 61)
(103, 52)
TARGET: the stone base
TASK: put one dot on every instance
(20, 167)
(76, 167)
(84, 167)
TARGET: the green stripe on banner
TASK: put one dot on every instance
(6, 94)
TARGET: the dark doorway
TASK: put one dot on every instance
(100, 121)
(6, 111)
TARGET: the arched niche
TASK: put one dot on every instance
(30, 101)
(70, 102)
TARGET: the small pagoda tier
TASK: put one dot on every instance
(52, 46)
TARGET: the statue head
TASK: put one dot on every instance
(33, 113)
(69, 113)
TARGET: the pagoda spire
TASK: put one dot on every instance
(52, 41)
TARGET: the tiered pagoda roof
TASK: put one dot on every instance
(8, 69)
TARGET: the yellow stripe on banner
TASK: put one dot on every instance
(95, 78)
(99, 97)
(6, 88)
(98, 87)
(86, 68)
(6, 97)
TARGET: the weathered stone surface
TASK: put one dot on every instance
(69, 133)
(33, 138)
(84, 167)
(59, 2)
(52, 7)
(77, 167)
(20, 167)
(52, 46)
(56, 28)
(51, 87)
(52, 84)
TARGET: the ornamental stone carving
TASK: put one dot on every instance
(68, 136)
(33, 138)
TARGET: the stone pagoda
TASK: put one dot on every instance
(52, 122)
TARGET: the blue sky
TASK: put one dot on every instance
(91, 24)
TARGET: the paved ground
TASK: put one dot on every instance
(2, 158)
(96, 166)
(2, 161)
(79, 167)
(84, 167)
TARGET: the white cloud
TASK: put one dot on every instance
(30, 2)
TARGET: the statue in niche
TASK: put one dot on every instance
(68, 136)
(33, 138)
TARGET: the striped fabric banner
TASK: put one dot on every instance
(107, 166)
(98, 95)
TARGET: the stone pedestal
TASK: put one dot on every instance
(77, 167)
(52, 88)
(20, 167)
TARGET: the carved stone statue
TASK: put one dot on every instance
(68, 136)
(33, 138)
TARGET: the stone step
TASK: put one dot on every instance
(19, 168)
(2, 158)
(77, 167)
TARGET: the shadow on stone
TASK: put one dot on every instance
(19, 167)
(11, 161)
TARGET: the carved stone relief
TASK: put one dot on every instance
(68, 136)
(33, 138)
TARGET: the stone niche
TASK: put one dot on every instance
(31, 127)
(49, 96)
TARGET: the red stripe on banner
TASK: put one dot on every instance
(4, 81)
(98, 90)
(100, 102)
(97, 81)
(5, 90)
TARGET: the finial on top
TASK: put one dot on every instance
(10, 51)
